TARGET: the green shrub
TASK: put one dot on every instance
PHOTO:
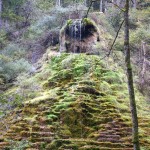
(12, 69)
(12, 61)
(28, 86)
(112, 77)
(14, 51)
(141, 34)
(9, 102)
(19, 145)
(114, 17)
(3, 38)
(48, 22)
(119, 45)
(133, 18)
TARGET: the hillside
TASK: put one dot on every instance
(83, 105)
(63, 79)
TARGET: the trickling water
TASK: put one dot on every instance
(80, 29)
(58, 3)
(80, 33)
(75, 32)
(85, 2)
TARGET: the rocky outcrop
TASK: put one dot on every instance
(79, 36)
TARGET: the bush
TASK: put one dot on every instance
(114, 17)
(54, 20)
(133, 19)
(12, 62)
(141, 34)
(28, 86)
(3, 40)
(9, 102)
(47, 22)
(13, 68)
(14, 51)
(19, 145)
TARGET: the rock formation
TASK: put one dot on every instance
(79, 36)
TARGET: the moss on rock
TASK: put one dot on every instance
(81, 107)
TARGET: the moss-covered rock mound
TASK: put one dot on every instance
(80, 36)
(83, 106)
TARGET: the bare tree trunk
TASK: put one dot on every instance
(0, 14)
(101, 5)
(130, 80)
(134, 4)
(142, 73)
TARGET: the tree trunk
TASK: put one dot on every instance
(101, 5)
(143, 71)
(0, 14)
(130, 80)
(134, 4)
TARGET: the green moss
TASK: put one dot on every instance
(87, 21)
(69, 22)
(61, 106)
(111, 77)
(57, 143)
(82, 102)
(52, 116)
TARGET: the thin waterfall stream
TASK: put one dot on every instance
(58, 3)
(75, 32)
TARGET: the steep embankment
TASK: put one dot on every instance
(83, 106)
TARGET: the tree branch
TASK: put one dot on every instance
(89, 8)
(118, 7)
(115, 38)
(132, 1)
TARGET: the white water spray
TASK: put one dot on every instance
(58, 3)
(75, 32)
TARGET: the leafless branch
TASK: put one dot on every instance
(118, 7)
(115, 38)
(132, 1)
(92, 1)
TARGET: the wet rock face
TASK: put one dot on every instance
(79, 36)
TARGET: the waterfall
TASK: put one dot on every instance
(80, 34)
(80, 29)
(85, 2)
(75, 32)
(58, 3)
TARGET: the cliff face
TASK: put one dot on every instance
(83, 105)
